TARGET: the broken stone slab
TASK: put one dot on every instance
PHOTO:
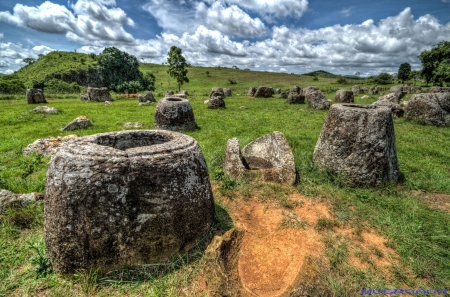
(147, 98)
(396, 109)
(295, 96)
(396, 89)
(365, 97)
(373, 91)
(35, 96)
(431, 108)
(344, 96)
(174, 113)
(97, 94)
(392, 97)
(317, 100)
(10, 199)
(125, 198)
(145, 103)
(44, 109)
(269, 157)
(251, 91)
(180, 96)
(221, 272)
(79, 123)
(47, 146)
(264, 92)
(358, 142)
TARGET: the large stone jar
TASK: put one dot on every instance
(125, 198)
(174, 113)
(358, 142)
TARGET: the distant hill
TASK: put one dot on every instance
(326, 74)
(66, 66)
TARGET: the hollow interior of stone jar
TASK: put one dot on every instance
(174, 99)
(132, 140)
(360, 106)
(255, 163)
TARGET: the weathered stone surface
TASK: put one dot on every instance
(415, 90)
(373, 91)
(264, 92)
(227, 92)
(147, 98)
(357, 90)
(79, 123)
(295, 96)
(284, 95)
(180, 96)
(184, 92)
(216, 102)
(358, 142)
(431, 108)
(270, 156)
(44, 109)
(10, 199)
(396, 89)
(278, 91)
(392, 97)
(309, 89)
(216, 92)
(439, 90)
(173, 113)
(251, 91)
(396, 109)
(84, 97)
(132, 125)
(221, 265)
(35, 96)
(317, 100)
(107, 103)
(47, 146)
(98, 94)
(345, 96)
(125, 198)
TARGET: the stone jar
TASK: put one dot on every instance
(173, 113)
(358, 142)
(125, 198)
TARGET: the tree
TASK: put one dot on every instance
(383, 78)
(177, 66)
(403, 71)
(120, 72)
(432, 59)
(442, 72)
(29, 61)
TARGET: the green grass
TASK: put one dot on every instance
(418, 232)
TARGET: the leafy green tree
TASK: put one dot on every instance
(177, 66)
(29, 61)
(120, 72)
(432, 59)
(442, 72)
(383, 78)
(403, 71)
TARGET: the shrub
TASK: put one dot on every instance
(57, 86)
(232, 81)
(11, 84)
(341, 81)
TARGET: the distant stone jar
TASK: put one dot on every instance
(358, 142)
(173, 113)
(125, 198)
(35, 96)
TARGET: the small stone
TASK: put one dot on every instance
(79, 123)
(132, 125)
(10, 199)
(243, 107)
(107, 103)
(47, 146)
(44, 109)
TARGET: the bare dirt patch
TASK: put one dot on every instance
(279, 243)
(439, 201)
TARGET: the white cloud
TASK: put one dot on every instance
(280, 8)
(12, 54)
(346, 11)
(230, 20)
(93, 21)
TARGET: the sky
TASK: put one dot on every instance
(292, 36)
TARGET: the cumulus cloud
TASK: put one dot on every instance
(12, 54)
(280, 8)
(230, 20)
(93, 21)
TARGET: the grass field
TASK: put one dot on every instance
(412, 215)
